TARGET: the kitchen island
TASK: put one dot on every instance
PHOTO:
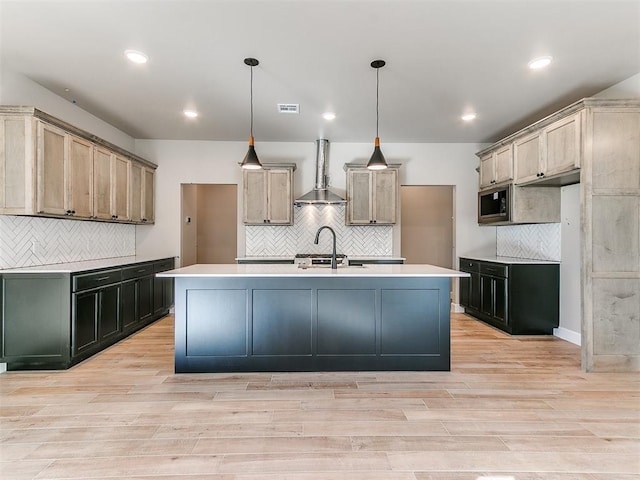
(249, 318)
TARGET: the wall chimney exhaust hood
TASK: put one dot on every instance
(320, 195)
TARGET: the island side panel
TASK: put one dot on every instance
(312, 323)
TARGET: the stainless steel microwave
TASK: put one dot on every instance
(494, 205)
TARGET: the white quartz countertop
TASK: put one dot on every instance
(74, 267)
(291, 257)
(288, 270)
(492, 257)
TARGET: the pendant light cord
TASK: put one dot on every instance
(251, 96)
(377, 97)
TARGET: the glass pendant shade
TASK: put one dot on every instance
(251, 161)
(377, 160)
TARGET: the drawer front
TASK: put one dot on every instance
(96, 279)
(467, 265)
(163, 265)
(135, 271)
(495, 269)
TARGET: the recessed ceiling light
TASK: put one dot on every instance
(136, 57)
(190, 113)
(329, 116)
(467, 117)
(540, 62)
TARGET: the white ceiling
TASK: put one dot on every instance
(443, 57)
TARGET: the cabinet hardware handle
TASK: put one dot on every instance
(142, 270)
(100, 279)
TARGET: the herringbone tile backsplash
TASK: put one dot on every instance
(537, 241)
(298, 238)
(32, 241)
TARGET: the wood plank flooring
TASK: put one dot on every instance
(512, 408)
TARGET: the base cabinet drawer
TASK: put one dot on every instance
(516, 298)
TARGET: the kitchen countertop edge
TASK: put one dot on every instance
(257, 270)
(488, 257)
(85, 266)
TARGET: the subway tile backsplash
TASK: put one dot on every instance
(298, 238)
(537, 241)
(33, 241)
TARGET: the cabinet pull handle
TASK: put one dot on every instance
(142, 270)
(100, 279)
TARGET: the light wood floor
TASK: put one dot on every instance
(516, 408)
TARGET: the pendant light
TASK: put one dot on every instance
(251, 161)
(377, 161)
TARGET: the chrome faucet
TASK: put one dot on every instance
(334, 262)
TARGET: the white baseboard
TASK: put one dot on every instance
(568, 335)
(456, 308)
(3, 367)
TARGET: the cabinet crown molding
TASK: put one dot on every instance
(589, 102)
(22, 110)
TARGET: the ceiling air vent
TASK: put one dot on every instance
(289, 107)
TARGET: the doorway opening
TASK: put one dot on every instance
(427, 231)
(209, 223)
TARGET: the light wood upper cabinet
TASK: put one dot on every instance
(527, 158)
(553, 150)
(496, 167)
(50, 168)
(120, 188)
(268, 195)
(562, 145)
(148, 185)
(80, 182)
(372, 195)
(135, 192)
(102, 190)
(110, 185)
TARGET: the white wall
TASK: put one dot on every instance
(629, 88)
(217, 162)
(17, 89)
(570, 290)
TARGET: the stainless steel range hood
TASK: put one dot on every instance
(320, 194)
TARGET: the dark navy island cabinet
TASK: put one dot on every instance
(518, 298)
(55, 320)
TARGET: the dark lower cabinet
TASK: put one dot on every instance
(52, 321)
(96, 318)
(519, 298)
(85, 321)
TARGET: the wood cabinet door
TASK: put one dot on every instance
(255, 197)
(52, 165)
(148, 214)
(487, 170)
(503, 162)
(120, 186)
(102, 190)
(359, 197)
(80, 183)
(527, 159)
(279, 196)
(17, 165)
(135, 192)
(385, 196)
(563, 145)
